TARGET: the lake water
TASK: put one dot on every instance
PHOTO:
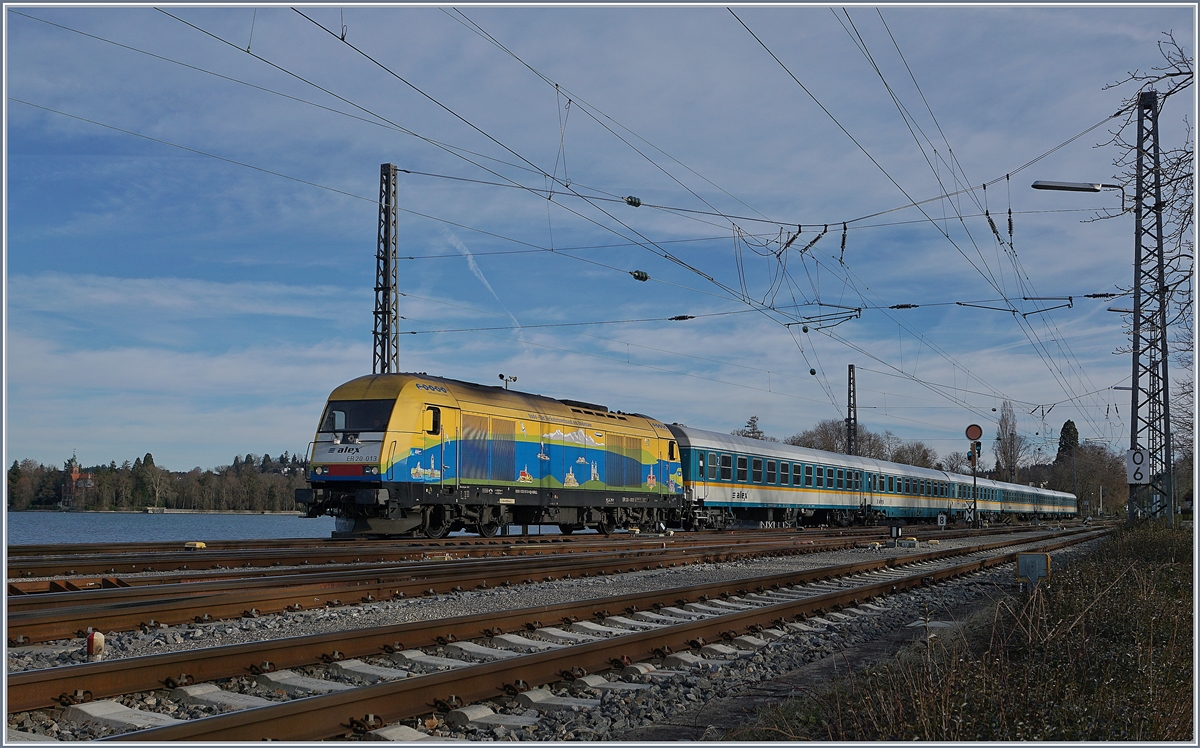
(25, 528)
(36, 528)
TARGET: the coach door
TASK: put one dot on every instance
(441, 459)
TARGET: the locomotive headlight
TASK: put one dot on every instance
(374, 471)
(318, 470)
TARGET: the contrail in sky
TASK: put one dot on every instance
(479, 274)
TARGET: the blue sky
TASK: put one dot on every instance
(160, 300)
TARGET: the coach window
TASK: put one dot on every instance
(907, 485)
(820, 477)
(700, 464)
(857, 480)
(784, 472)
(726, 467)
(841, 478)
(741, 470)
(771, 472)
(808, 475)
(891, 484)
(756, 470)
(797, 474)
(712, 465)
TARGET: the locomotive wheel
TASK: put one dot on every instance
(437, 522)
(607, 525)
(489, 524)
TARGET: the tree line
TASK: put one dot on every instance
(250, 483)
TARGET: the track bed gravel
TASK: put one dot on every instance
(692, 705)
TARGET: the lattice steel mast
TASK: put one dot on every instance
(386, 356)
(851, 415)
(1150, 406)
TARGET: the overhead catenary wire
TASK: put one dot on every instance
(435, 219)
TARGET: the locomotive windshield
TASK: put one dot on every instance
(356, 415)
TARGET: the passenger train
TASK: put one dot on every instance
(398, 454)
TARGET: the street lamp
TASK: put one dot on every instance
(1149, 323)
(1042, 184)
(507, 380)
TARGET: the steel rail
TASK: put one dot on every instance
(84, 549)
(42, 688)
(81, 573)
(130, 608)
(177, 558)
(329, 716)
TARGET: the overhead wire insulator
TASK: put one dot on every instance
(640, 275)
(681, 317)
(904, 306)
(843, 255)
(633, 202)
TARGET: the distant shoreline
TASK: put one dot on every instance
(152, 510)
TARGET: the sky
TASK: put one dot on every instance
(191, 215)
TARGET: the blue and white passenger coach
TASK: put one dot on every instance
(732, 479)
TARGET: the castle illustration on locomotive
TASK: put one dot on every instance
(402, 454)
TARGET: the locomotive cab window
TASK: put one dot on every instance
(433, 420)
(712, 466)
(726, 467)
(741, 469)
(356, 415)
(671, 452)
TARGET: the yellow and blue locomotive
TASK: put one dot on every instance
(410, 453)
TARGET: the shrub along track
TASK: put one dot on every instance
(327, 716)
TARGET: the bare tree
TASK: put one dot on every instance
(916, 453)
(828, 436)
(1175, 75)
(1010, 446)
(956, 462)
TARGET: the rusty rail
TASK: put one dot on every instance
(327, 716)
(42, 688)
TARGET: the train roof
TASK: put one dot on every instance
(387, 386)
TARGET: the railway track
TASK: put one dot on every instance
(47, 617)
(88, 564)
(117, 605)
(686, 618)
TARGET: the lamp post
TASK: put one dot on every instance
(1150, 402)
(507, 380)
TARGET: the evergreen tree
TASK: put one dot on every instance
(752, 431)
(14, 479)
(1068, 441)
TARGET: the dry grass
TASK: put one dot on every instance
(1103, 652)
